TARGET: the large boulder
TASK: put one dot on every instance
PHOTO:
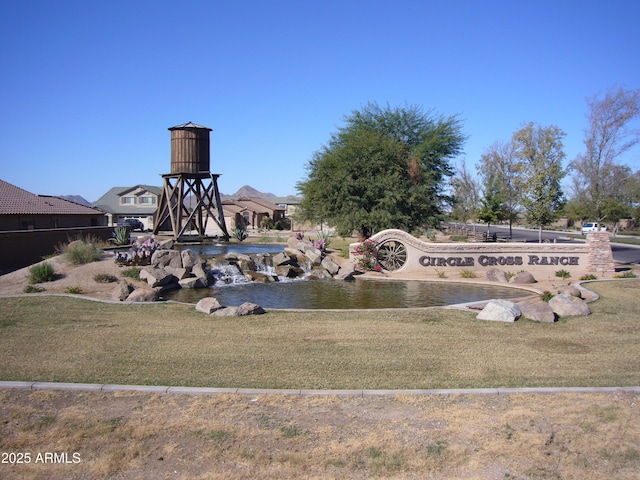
(294, 242)
(121, 292)
(330, 265)
(570, 290)
(346, 272)
(208, 305)
(199, 271)
(244, 262)
(567, 305)
(189, 259)
(289, 271)
(239, 311)
(260, 277)
(523, 278)
(281, 259)
(314, 255)
(193, 282)
(144, 295)
(500, 311)
(157, 277)
(538, 311)
(164, 258)
(179, 273)
(167, 244)
(497, 275)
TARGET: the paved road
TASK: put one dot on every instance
(622, 253)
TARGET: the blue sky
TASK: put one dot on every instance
(88, 89)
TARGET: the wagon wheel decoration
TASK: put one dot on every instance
(392, 255)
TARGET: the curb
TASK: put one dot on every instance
(97, 387)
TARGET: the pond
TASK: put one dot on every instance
(358, 294)
(224, 248)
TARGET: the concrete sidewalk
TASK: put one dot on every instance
(97, 387)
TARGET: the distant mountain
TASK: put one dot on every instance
(248, 191)
(76, 199)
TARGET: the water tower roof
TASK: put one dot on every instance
(188, 125)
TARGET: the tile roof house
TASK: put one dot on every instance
(250, 212)
(139, 202)
(23, 210)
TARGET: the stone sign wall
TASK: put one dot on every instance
(540, 259)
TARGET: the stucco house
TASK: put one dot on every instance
(251, 212)
(23, 210)
(138, 202)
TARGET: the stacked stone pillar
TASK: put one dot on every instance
(600, 257)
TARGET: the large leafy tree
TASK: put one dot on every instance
(466, 195)
(540, 151)
(610, 134)
(502, 170)
(385, 168)
(492, 205)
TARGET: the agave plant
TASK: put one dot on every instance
(240, 233)
(323, 240)
(121, 236)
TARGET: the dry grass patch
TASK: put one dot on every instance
(171, 344)
(138, 435)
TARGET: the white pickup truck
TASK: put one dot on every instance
(593, 227)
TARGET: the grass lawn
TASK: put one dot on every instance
(73, 340)
(144, 435)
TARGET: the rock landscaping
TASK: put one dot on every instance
(166, 269)
(567, 302)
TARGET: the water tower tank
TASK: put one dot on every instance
(190, 148)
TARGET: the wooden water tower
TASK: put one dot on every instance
(190, 175)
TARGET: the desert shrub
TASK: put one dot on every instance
(133, 272)
(74, 290)
(626, 274)
(33, 289)
(563, 274)
(105, 278)
(42, 272)
(81, 251)
(468, 274)
(588, 276)
(546, 296)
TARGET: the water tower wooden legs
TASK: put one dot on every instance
(203, 205)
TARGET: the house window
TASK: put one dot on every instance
(147, 200)
(128, 200)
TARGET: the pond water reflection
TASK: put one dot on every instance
(224, 248)
(358, 294)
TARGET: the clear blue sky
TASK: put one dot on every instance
(89, 88)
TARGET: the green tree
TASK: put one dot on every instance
(608, 137)
(386, 168)
(466, 195)
(501, 167)
(540, 150)
(492, 208)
